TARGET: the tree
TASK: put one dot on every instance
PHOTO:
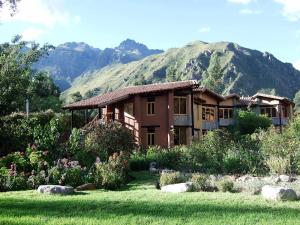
(140, 80)
(44, 94)
(213, 76)
(297, 101)
(12, 4)
(171, 74)
(248, 122)
(16, 60)
(76, 97)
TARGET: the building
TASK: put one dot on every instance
(169, 114)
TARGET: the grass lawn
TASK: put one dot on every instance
(141, 203)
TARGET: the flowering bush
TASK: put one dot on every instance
(67, 172)
(114, 173)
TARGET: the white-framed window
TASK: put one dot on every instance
(225, 113)
(208, 113)
(268, 111)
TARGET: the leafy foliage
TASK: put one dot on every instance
(213, 77)
(248, 122)
(107, 139)
(16, 60)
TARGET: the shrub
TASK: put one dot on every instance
(3, 178)
(166, 158)
(248, 122)
(170, 178)
(279, 165)
(16, 183)
(73, 176)
(200, 182)
(37, 179)
(113, 174)
(226, 186)
(18, 159)
(67, 172)
(207, 154)
(139, 161)
(280, 149)
(109, 138)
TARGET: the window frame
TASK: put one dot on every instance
(150, 106)
(179, 136)
(208, 113)
(229, 112)
(179, 98)
(268, 111)
(151, 137)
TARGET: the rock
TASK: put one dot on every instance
(285, 178)
(278, 193)
(167, 171)
(55, 189)
(86, 187)
(245, 178)
(177, 188)
(152, 167)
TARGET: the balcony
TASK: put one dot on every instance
(226, 122)
(276, 121)
(182, 120)
(209, 125)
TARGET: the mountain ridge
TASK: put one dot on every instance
(71, 59)
(246, 71)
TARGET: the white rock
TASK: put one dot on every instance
(285, 178)
(177, 188)
(245, 178)
(278, 193)
(55, 189)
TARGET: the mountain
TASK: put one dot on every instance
(69, 60)
(246, 71)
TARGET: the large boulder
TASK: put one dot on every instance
(285, 178)
(177, 188)
(86, 187)
(55, 189)
(278, 193)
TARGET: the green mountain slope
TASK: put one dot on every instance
(246, 71)
(69, 60)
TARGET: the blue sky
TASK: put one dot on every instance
(266, 25)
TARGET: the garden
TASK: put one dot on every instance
(111, 181)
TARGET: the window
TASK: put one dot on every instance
(268, 111)
(208, 113)
(284, 112)
(180, 105)
(128, 108)
(225, 113)
(150, 106)
(151, 136)
(180, 136)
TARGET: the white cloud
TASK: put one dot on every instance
(291, 9)
(248, 11)
(32, 34)
(244, 2)
(297, 64)
(45, 12)
(204, 29)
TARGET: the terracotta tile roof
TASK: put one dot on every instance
(124, 93)
(203, 90)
